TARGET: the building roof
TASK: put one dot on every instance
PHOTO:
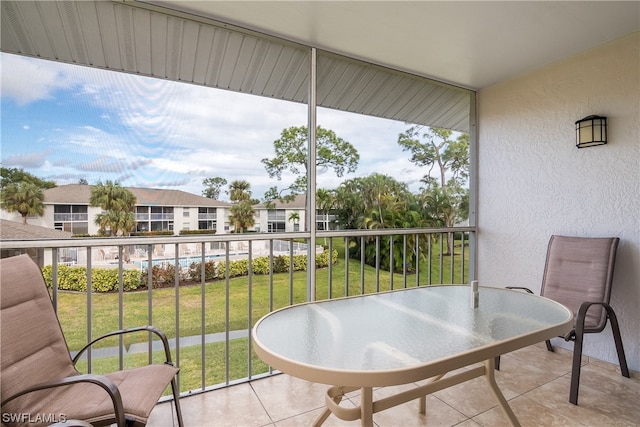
(79, 194)
(12, 230)
(297, 203)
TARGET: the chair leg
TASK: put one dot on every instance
(618, 340)
(549, 346)
(497, 363)
(575, 369)
(176, 401)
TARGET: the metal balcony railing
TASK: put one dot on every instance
(208, 216)
(208, 313)
(68, 217)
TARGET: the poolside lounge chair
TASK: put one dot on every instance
(578, 273)
(39, 376)
(185, 249)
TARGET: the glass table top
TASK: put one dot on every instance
(404, 328)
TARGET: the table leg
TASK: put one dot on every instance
(491, 379)
(325, 414)
(423, 399)
(366, 407)
(322, 418)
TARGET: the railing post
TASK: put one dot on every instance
(311, 181)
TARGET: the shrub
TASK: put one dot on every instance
(161, 274)
(210, 271)
(102, 279)
(106, 279)
(186, 232)
(261, 265)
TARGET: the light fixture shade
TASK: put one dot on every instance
(591, 131)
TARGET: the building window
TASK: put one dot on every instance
(276, 221)
(71, 218)
(207, 218)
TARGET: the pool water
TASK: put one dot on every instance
(184, 262)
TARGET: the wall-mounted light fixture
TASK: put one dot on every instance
(591, 131)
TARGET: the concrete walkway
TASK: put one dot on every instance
(157, 344)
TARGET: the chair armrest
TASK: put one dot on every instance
(152, 329)
(99, 380)
(582, 316)
(520, 288)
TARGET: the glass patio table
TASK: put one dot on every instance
(404, 336)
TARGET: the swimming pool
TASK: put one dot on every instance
(184, 261)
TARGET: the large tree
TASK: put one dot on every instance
(291, 155)
(19, 176)
(433, 147)
(213, 187)
(118, 205)
(445, 196)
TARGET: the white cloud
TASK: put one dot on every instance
(25, 80)
(157, 133)
(27, 160)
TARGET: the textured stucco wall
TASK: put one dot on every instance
(534, 182)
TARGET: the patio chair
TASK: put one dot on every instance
(578, 274)
(39, 377)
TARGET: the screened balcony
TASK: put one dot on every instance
(222, 379)
(525, 91)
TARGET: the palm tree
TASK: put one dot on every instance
(239, 190)
(242, 215)
(325, 201)
(440, 210)
(25, 198)
(294, 217)
(118, 206)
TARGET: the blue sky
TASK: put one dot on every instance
(63, 122)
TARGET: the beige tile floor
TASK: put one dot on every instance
(533, 380)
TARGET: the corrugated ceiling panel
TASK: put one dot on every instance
(75, 33)
(174, 43)
(54, 26)
(109, 35)
(264, 73)
(147, 41)
(158, 46)
(242, 62)
(15, 36)
(142, 35)
(202, 54)
(288, 59)
(359, 87)
(188, 48)
(217, 53)
(126, 38)
(91, 32)
(255, 66)
(232, 51)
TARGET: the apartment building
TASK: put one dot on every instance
(67, 208)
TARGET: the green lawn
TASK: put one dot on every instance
(265, 296)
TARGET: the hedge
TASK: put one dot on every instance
(106, 279)
(102, 279)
